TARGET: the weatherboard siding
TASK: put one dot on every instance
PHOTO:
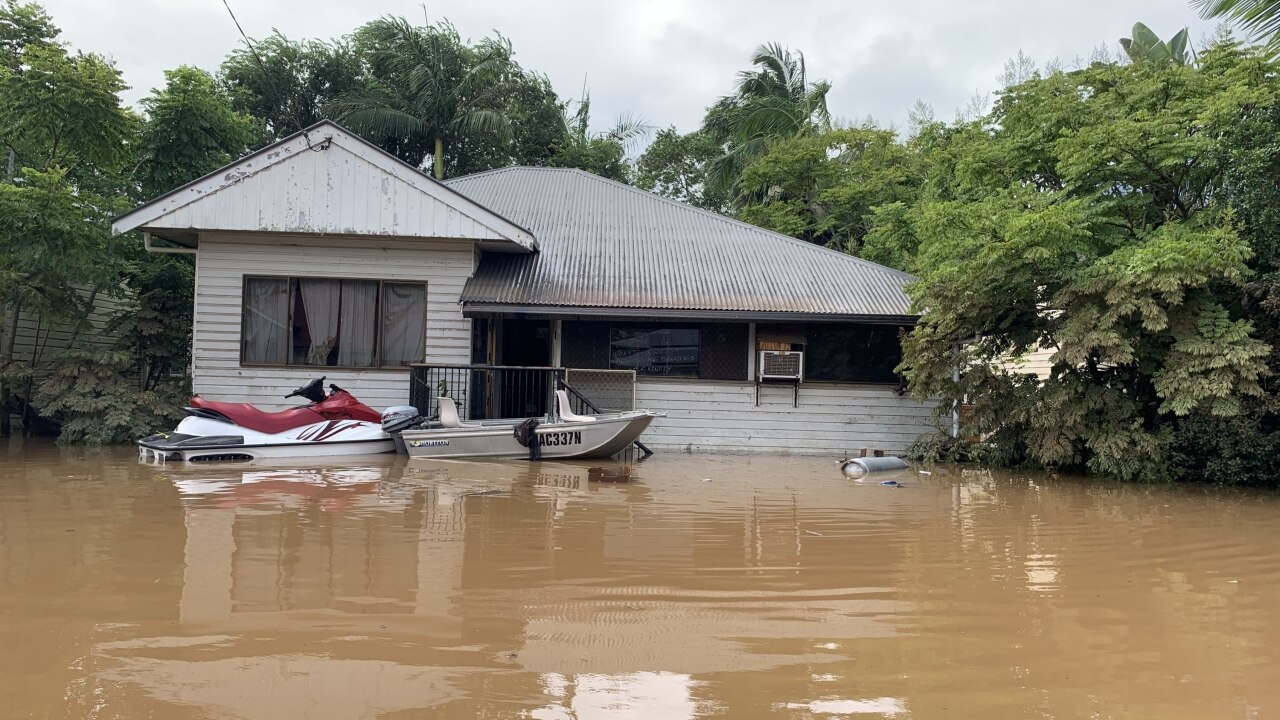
(830, 418)
(37, 343)
(331, 184)
(224, 261)
(1038, 362)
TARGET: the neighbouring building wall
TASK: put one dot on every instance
(830, 418)
(224, 261)
(1038, 362)
(38, 342)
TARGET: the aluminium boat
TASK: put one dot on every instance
(567, 435)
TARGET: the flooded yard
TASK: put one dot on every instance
(708, 586)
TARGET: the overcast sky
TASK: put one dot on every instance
(665, 60)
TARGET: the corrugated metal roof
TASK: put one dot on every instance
(603, 244)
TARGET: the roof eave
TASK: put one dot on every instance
(483, 309)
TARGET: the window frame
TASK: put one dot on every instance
(809, 379)
(378, 320)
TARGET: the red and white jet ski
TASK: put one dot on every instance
(333, 424)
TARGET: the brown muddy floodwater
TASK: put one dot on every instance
(708, 586)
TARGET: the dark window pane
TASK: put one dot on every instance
(265, 331)
(852, 353)
(584, 344)
(724, 351)
(404, 323)
(650, 350)
(315, 321)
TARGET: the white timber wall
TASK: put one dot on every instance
(830, 418)
(287, 188)
(1038, 362)
(224, 260)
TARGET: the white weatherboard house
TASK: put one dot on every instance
(323, 255)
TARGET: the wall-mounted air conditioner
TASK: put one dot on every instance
(780, 365)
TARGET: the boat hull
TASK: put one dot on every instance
(603, 437)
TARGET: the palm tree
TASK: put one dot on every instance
(603, 153)
(1146, 46)
(1259, 18)
(426, 89)
(773, 100)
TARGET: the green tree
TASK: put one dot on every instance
(286, 83)
(773, 100)
(426, 89)
(191, 129)
(537, 128)
(600, 153)
(824, 188)
(675, 166)
(67, 136)
(1083, 215)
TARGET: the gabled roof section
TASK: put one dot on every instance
(324, 180)
(606, 246)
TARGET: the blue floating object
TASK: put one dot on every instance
(893, 483)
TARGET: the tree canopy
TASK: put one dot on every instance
(1084, 215)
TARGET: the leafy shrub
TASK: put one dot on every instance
(1242, 451)
(96, 402)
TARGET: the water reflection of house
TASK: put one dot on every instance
(455, 572)
(322, 254)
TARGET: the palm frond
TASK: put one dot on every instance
(628, 131)
(483, 122)
(374, 112)
(1259, 18)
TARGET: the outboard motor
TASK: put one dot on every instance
(396, 419)
(399, 417)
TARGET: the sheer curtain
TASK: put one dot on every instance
(404, 323)
(266, 319)
(359, 317)
(320, 300)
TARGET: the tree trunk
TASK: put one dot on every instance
(6, 356)
(438, 157)
(10, 336)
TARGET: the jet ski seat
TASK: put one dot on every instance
(248, 416)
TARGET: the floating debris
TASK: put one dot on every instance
(857, 467)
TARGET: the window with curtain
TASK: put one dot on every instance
(333, 322)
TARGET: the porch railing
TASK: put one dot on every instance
(484, 392)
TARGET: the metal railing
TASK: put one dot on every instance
(484, 392)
